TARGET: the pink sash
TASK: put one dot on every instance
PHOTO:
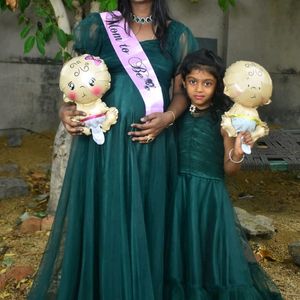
(135, 62)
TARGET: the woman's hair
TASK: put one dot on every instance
(207, 60)
(160, 16)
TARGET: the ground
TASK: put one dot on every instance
(273, 194)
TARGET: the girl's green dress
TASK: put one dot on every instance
(108, 237)
(208, 258)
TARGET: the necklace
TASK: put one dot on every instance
(139, 29)
(196, 112)
(142, 20)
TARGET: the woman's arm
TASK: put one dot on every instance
(233, 154)
(152, 125)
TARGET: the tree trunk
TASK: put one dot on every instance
(61, 150)
(61, 15)
(62, 141)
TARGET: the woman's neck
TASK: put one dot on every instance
(142, 31)
(142, 9)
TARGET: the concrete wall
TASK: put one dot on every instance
(265, 31)
(29, 93)
(205, 19)
(269, 34)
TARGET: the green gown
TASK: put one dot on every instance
(108, 237)
(207, 256)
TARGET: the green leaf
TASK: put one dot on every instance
(69, 4)
(48, 30)
(42, 12)
(3, 5)
(223, 4)
(40, 42)
(70, 37)
(23, 4)
(41, 214)
(112, 5)
(21, 19)
(59, 56)
(62, 38)
(29, 43)
(7, 261)
(25, 31)
(67, 56)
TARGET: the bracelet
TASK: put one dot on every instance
(235, 161)
(174, 117)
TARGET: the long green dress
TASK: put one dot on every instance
(108, 238)
(207, 255)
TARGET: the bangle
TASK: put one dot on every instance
(174, 117)
(235, 161)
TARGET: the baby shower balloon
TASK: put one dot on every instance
(249, 86)
(84, 80)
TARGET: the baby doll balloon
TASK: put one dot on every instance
(249, 86)
(84, 80)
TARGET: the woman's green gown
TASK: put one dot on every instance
(108, 237)
(208, 258)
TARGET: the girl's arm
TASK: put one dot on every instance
(233, 154)
(155, 123)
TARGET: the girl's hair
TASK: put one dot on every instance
(207, 60)
(160, 15)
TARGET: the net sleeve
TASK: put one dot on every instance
(88, 35)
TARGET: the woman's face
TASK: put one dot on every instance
(141, 1)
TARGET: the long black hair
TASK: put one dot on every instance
(160, 15)
(207, 60)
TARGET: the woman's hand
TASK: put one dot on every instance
(68, 114)
(152, 125)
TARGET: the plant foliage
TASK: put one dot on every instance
(224, 4)
(39, 23)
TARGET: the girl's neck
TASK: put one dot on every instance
(205, 107)
(198, 112)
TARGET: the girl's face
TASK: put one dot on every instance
(200, 86)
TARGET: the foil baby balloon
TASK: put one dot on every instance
(249, 86)
(84, 80)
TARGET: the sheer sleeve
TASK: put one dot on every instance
(182, 42)
(88, 35)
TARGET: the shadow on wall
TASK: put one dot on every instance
(208, 43)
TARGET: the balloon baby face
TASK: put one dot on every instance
(84, 79)
(248, 84)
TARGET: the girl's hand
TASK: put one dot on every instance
(68, 114)
(152, 125)
(242, 138)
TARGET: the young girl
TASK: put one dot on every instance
(207, 257)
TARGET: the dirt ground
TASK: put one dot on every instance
(273, 194)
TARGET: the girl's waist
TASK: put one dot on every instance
(215, 174)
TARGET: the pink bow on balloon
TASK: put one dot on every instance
(96, 60)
